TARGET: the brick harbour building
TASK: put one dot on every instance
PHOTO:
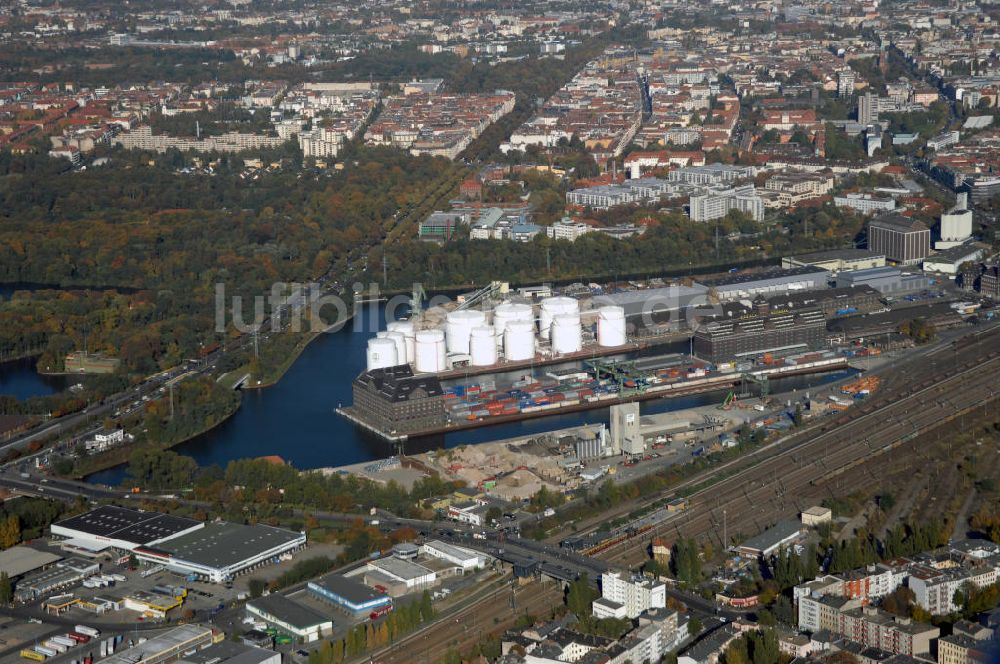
(394, 400)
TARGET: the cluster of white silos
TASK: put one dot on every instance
(513, 333)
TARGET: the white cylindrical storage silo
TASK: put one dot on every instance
(567, 335)
(381, 353)
(611, 326)
(507, 312)
(429, 351)
(519, 340)
(407, 329)
(458, 328)
(504, 313)
(483, 346)
(552, 307)
(400, 341)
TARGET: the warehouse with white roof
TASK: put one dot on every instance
(467, 559)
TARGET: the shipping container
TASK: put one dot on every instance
(28, 653)
(89, 631)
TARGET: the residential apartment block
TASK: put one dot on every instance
(625, 597)
(716, 203)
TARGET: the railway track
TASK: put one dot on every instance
(753, 497)
(460, 632)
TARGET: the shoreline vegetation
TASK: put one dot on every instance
(277, 362)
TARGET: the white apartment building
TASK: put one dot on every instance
(865, 203)
(716, 203)
(635, 596)
(711, 174)
(567, 230)
(943, 140)
(320, 142)
(934, 589)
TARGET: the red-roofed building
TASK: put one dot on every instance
(785, 120)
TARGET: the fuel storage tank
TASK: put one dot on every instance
(567, 334)
(430, 351)
(551, 307)
(381, 354)
(519, 340)
(483, 346)
(611, 326)
(458, 329)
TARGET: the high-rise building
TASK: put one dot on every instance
(624, 597)
(867, 109)
(845, 82)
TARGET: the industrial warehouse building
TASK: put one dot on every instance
(901, 239)
(781, 332)
(61, 575)
(392, 399)
(166, 647)
(832, 302)
(214, 552)
(886, 280)
(656, 305)
(220, 551)
(351, 595)
(230, 652)
(398, 576)
(467, 559)
(782, 534)
(20, 560)
(120, 528)
(836, 260)
(768, 283)
(291, 617)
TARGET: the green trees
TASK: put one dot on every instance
(580, 596)
(6, 590)
(368, 636)
(155, 469)
(918, 329)
(10, 532)
(758, 647)
(685, 562)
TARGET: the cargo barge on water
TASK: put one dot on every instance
(398, 405)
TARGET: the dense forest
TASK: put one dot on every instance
(155, 243)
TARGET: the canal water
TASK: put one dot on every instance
(18, 378)
(295, 419)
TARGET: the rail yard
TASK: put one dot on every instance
(918, 400)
